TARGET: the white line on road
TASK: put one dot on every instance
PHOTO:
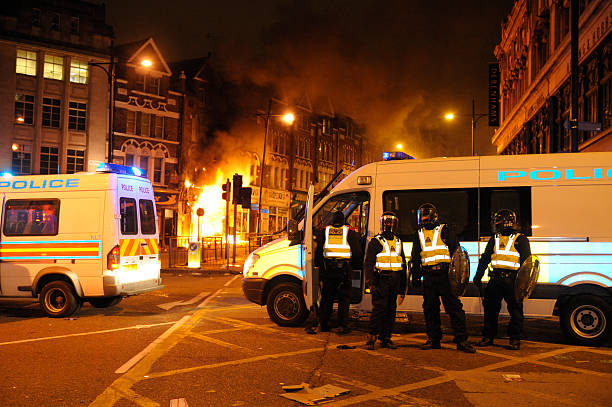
(231, 281)
(46, 338)
(127, 365)
(173, 304)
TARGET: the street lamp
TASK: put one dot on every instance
(288, 119)
(110, 69)
(475, 117)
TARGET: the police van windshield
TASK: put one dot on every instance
(355, 207)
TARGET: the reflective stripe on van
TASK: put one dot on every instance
(66, 249)
(138, 247)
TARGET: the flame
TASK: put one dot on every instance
(212, 223)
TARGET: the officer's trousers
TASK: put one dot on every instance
(436, 286)
(497, 289)
(335, 283)
(384, 304)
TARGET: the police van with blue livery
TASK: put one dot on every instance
(70, 238)
(562, 201)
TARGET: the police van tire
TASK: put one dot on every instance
(58, 299)
(586, 320)
(286, 306)
(104, 302)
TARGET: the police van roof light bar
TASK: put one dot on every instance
(121, 169)
(396, 155)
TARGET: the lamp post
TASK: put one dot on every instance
(110, 69)
(475, 117)
(288, 119)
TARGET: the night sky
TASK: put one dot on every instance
(398, 66)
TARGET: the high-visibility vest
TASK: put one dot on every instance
(505, 256)
(433, 249)
(390, 258)
(336, 244)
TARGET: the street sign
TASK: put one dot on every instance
(583, 126)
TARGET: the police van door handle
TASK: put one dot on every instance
(143, 243)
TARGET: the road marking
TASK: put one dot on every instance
(231, 281)
(46, 338)
(173, 304)
(220, 342)
(127, 365)
(209, 299)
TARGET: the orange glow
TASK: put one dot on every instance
(146, 63)
(15, 147)
(288, 118)
(20, 119)
(449, 116)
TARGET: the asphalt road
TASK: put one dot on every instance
(200, 341)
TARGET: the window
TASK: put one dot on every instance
(144, 164)
(147, 217)
(36, 17)
(74, 25)
(130, 122)
(153, 86)
(31, 217)
(517, 199)
(55, 22)
(22, 160)
(140, 82)
(75, 161)
(159, 126)
(127, 209)
(145, 124)
(54, 67)
(49, 160)
(129, 159)
(456, 208)
(24, 109)
(51, 112)
(158, 167)
(79, 71)
(355, 207)
(77, 112)
(26, 62)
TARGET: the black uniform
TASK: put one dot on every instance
(436, 286)
(335, 277)
(501, 286)
(385, 287)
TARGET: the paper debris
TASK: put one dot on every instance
(302, 393)
(512, 377)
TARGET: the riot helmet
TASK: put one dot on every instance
(427, 215)
(388, 223)
(504, 221)
(337, 219)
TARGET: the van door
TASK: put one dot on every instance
(311, 287)
(1, 233)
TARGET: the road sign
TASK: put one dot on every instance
(584, 126)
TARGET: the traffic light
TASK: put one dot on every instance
(245, 197)
(227, 190)
(237, 188)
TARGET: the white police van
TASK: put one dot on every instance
(562, 203)
(70, 238)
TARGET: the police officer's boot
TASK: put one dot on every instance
(431, 344)
(371, 342)
(515, 344)
(466, 347)
(388, 343)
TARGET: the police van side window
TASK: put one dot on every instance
(517, 199)
(355, 207)
(128, 216)
(147, 217)
(31, 217)
(456, 208)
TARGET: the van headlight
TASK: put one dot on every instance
(249, 263)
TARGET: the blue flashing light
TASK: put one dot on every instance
(396, 155)
(120, 169)
(6, 174)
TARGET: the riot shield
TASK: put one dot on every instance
(459, 271)
(526, 278)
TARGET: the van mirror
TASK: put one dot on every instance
(293, 233)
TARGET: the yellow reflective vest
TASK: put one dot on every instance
(390, 258)
(505, 256)
(433, 249)
(336, 243)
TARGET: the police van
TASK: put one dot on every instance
(71, 238)
(562, 202)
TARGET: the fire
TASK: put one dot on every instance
(212, 223)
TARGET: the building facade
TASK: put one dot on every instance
(146, 125)
(534, 60)
(53, 104)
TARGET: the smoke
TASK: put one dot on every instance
(385, 66)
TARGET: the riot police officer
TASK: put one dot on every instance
(337, 254)
(385, 276)
(431, 256)
(506, 251)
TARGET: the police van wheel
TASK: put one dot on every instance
(58, 299)
(286, 305)
(104, 302)
(586, 320)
